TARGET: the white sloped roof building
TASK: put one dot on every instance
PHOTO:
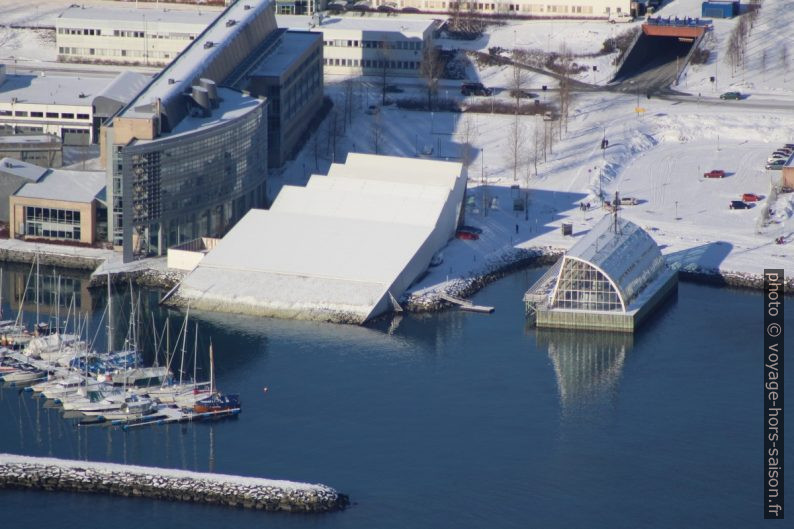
(337, 249)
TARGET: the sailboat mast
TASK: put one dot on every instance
(212, 371)
(195, 355)
(110, 318)
(184, 339)
(37, 293)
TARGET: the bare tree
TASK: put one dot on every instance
(377, 132)
(515, 146)
(431, 69)
(564, 86)
(384, 59)
(468, 133)
(784, 56)
(348, 84)
(518, 82)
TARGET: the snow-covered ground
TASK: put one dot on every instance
(658, 158)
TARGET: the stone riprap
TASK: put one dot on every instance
(158, 483)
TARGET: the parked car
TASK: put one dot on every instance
(731, 95)
(472, 229)
(750, 197)
(475, 89)
(789, 146)
(777, 159)
(522, 94)
(620, 18)
(715, 173)
(628, 201)
(777, 165)
(466, 235)
(738, 204)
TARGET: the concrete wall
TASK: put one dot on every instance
(127, 129)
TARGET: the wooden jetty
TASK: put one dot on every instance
(465, 304)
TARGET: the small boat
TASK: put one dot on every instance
(216, 401)
(22, 376)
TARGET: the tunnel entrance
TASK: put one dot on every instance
(660, 52)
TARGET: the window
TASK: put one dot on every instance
(82, 116)
(52, 114)
(37, 114)
(21, 113)
(67, 115)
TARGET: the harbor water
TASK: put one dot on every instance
(449, 419)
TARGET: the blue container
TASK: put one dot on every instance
(720, 9)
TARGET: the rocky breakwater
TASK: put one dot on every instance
(176, 485)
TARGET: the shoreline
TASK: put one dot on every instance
(425, 300)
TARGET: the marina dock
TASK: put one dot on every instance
(465, 304)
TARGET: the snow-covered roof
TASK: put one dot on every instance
(410, 27)
(623, 251)
(198, 58)
(21, 169)
(293, 44)
(124, 87)
(52, 89)
(337, 245)
(136, 14)
(60, 184)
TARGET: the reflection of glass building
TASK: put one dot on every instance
(610, 279)
(587, 366)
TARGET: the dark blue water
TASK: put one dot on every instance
(453, 420)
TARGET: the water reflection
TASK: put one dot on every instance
(587, 365)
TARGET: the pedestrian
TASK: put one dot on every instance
(516, 228)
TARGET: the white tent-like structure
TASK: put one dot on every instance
(340, 248)
(610, 279)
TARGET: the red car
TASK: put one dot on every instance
(715, 173)
(467, 235)
(750, 197)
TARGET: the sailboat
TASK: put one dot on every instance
(217, 401)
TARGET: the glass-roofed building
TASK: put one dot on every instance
(611, 279)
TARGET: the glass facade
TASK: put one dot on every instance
(180, 187)
(581, 286)
(52, 223)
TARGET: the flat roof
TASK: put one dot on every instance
(21, 169)
(60, 184)
(191, 62)
(293, 44)
(369, 23)
(133, 13)
(30, 139)
(52, 89)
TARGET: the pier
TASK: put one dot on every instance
(465, 304)
(167, 484)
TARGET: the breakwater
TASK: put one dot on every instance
(166, 484)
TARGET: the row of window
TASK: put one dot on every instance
(37, 230)
(127, 34)
(394, 45)
(68, 216)
(367, 63)
(65, 50)
(51, 115)
(519, 7)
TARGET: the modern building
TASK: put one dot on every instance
(369, 45)
(125, 35)
(719, 9)
(55, 204)
(188, 156)
(611, 279)
(290, 76)
(343, 248)
(45, 150)
(516, 8)
(71, 107)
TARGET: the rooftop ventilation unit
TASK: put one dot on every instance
(230, 22)
(171, 80)
(202, 98)
(209, 44)
(212, 90)
(247, 7)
